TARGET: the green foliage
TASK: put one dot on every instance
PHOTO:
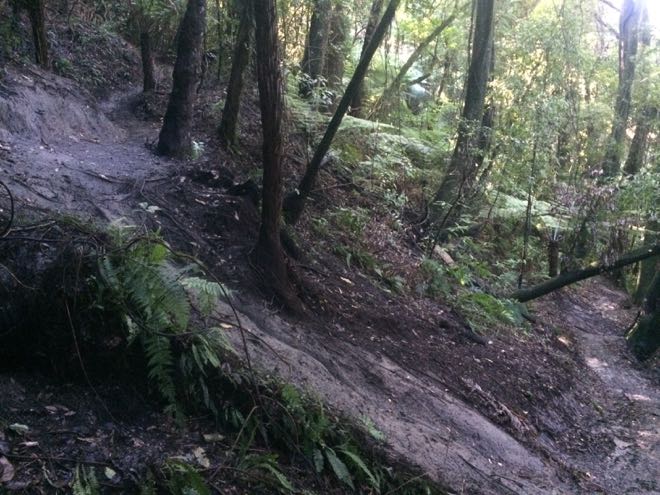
(434, 279)
(157, 301)
(350, 220)
(486, 312)
(183, 479)
(85, 481)
(266, 467)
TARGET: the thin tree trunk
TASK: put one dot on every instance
(568, 278)
(268, 253)
(374, 15)
(37, 15)
(295, 202)
(229, 121)
(149, 79)
(175, 137)
(389, 95)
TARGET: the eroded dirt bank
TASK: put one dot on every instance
(562, 410)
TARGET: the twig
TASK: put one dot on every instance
(235, 444)
(18, 281)
(55, 459)
(407, 482)
(82, 365)
(7, 228)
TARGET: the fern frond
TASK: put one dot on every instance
(160, 363)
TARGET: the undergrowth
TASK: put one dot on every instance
(164, 306)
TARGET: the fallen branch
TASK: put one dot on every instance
(573, 276)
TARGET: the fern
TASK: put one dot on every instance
(206, 292)
(160, 363)
(339, 468)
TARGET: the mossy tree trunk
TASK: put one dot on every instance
(268, 254)
(240, 59)
(644, 337)
(175, 137)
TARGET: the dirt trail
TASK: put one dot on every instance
(62, 153)
(99, 169)
(597, 315)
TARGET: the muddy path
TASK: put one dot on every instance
(67, 154)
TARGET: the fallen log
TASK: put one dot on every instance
(573, 276)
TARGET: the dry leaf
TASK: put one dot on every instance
(200, 456)
(6, 470)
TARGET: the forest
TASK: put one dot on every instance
(329, 247)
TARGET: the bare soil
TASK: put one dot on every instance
(562, 408)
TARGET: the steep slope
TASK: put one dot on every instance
(519, 414)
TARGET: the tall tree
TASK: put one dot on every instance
(175, 136)
(639, 144)
(317, 43)
(141, 20)
(146, 53)
(629, 29)
(37, 14)
(268, 253)
(333, 70)
(463, 168)
(240, 58)
(358, 97)
(295, 202)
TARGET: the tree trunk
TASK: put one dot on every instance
(390, 94)
(37, 15)
(463, 168)
(358, 98)
(571, 277)
(149, 79)
(648, 267)
(644, 337)
(629, 25)
(317, 42)
(295, 202)
(639, 144)
(268, 253)
(336, 51)
(229, 121)
(175, 136)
